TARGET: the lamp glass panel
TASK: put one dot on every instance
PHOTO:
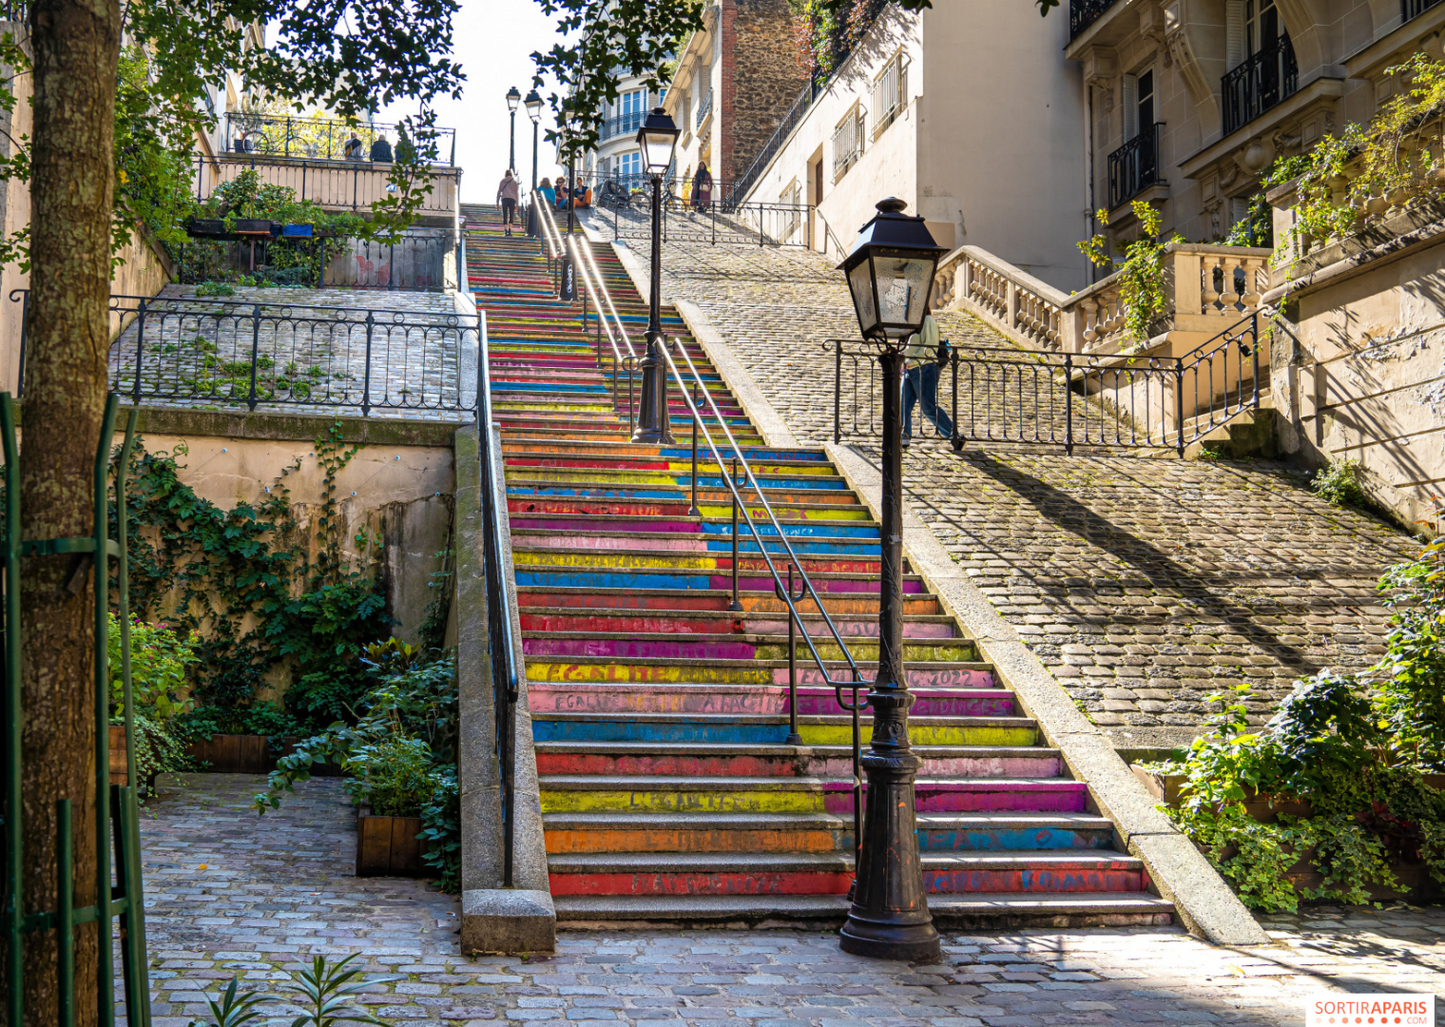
(657, 150)
(860, 282)
(903, 284)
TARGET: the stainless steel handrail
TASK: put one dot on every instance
(501, 640)
(784, 590)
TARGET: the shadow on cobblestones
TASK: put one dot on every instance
(228, 893)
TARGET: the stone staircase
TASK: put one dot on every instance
(668, 792)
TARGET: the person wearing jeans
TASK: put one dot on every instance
(507, 196)
(920, 379)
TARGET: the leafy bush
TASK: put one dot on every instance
(1141, 272)
(393, 777)
(1339, 483)
(159, 659)
(1355, 749)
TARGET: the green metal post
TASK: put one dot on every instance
(13, 908)
(105, 968)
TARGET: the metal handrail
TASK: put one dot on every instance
(500, 638)
(582, 259)
(603, 302)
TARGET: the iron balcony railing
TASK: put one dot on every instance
(1083, 13)
(1021, 397)
(1134, 166)
(1263, 80)
(704, 108)
(209, 352)
(622, 124)
(354, 185)
(1414, 8)
(716, 220)
(770, 539)
(324, 139)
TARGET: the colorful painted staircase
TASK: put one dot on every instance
(660, 715)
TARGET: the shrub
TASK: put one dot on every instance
(1339, 483)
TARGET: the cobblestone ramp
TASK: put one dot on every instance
(660, 716)
(1143, 582)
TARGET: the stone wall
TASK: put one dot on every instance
(766, 77)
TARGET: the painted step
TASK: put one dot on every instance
(630, 645)
(606, 698)
(757, 672)
(673, 759)
(688, 542)
(917, 604)
(816, 832)
(699, 622)
(689, 525)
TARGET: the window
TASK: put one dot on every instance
(791, 201)
(890, 93)
(1138, 103)
(629, 167)
(847, 142)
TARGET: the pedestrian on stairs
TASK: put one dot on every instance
(923, 357)
(507, 199)
(702, 187)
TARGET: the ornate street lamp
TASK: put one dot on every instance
(513, 98)
(569, 283)
(656, 138)
(890, 273)
(533, 104)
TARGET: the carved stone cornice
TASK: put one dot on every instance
(1101, 70)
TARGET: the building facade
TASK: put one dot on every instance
(1191, 101)
(617, 156)
(735, 80)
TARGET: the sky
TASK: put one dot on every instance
(493, 41)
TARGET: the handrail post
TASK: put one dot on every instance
(693, 510)
(1179, 399)
(1068, 403)
(735, 606)
(837, 391)
(140, 338)
(1254, 336)
(255, 352)
(366, 381)
(794, 738)
(24, 333)
(955, 437)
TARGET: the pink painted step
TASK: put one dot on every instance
(976, 796)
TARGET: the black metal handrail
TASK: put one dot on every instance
(1083, 13)
(714, 220)
(280, 135)
(789, 121)
(692, 392)
(1023, 397)
(1135, 165)
(501, 636)
(1262, 80)
(704, 108)
(206, 351)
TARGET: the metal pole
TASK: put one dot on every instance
(696, 416)
(140, 338)
(654, 425)
(366, 382)
(105, 976)
(788, 607)
(1069, 403)
(65, 911)
(255, 346)
(889, 917)
(734, 606)
(512, 157)
(532, 206)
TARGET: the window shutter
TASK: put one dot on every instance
(1233, 33)
(1131, 107)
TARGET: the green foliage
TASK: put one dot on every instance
(324, 991)
(246, 587)
(1141, 272)
(234, 1010)
(159, 659)
(1339, 483)
(215, 289)
(401, 752)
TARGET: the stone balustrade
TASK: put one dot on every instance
(1208, 287)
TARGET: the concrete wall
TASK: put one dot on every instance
(424, 259)
(1369, 382)
(999, 130)
(403, 490)
(334, 185)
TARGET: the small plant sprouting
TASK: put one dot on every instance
(1339, 484)
(325, 990)
(234, 1010)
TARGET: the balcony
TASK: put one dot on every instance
(1263, 80)
(704, 108)
(333, 185)
(622, 125)
(318, 139)
(1134, 166)
(1414, 8)
(1083, 13)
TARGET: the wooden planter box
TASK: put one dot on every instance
(248, 754)
(1414, 877)
(117, 763)
(389, 846)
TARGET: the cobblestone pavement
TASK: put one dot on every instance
(406, 353)
(229, 894)
(1144, 583)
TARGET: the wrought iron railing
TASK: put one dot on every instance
(715, 220)
(1414, 8)
(704, 108)
(1261, 81)
(1083, 13)
(770, 539)
(353, 185)
(622, 124)
(1135, 165)
(1022, 397)
(210, 352)
(272, 135)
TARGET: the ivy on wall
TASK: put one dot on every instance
(826, 33)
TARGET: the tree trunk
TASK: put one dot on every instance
(76, 49)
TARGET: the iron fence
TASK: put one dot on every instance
(1414, 8)
(221, 353)
(1134, 165)
(335, 185)
(1083, 13)
(718, 222)
(1025, 397)
(325, 140)
(1262, 80)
